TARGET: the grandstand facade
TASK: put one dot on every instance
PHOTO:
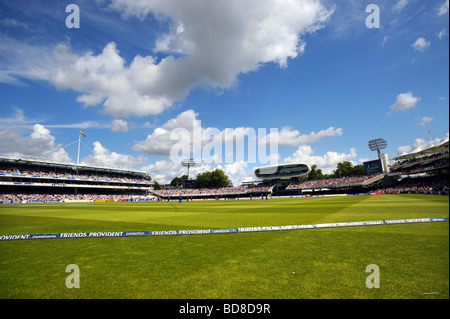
(259, 191)
(352, 184)
(34, 180)
(431, 159)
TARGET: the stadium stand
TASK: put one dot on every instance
(31, 180)
(418, 185)
(430, 159)
(39, 181)
(224, 192)
(351, 181)
(58, 198)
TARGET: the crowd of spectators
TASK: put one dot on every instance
(44, 198)
(418, 185)
(427, 185)
(29, 198)
(72, 176)
(242, 190)
(333, 182)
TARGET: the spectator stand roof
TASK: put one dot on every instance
(442, 147)
(33, 160)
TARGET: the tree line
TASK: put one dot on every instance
(214, 179)
(343, 169)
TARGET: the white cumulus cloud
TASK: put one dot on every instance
(443, 9)
(291, 137)
(101, 156)
(326, 162)
(119, 125)
(218, 40)
(420, 44)
(404, 102)
(426, 120)
(38, 143)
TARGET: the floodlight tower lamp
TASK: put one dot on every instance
(188, 163)
(377, 145)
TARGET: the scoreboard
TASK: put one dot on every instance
(374, 166)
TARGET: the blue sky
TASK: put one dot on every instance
(134, 71)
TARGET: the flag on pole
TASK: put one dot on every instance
(81, 132)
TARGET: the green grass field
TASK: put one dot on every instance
(299, 264)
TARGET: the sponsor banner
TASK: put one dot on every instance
(290, 196)
(44, 201)
(10, 202)
(77, 201)
(221, 231)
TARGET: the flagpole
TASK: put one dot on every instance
(79, 141)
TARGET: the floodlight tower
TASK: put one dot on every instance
(188, 163)
(377, 145)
